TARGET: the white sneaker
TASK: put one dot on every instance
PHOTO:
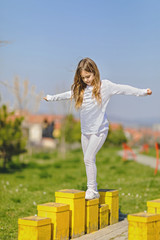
(91, 194)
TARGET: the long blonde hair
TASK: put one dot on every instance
(79, 86)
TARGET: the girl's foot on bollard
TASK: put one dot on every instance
(91, 194)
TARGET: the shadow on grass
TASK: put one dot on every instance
(18, 167)
(13, 167)
(122, 216)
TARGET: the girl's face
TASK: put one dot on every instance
(87, 77)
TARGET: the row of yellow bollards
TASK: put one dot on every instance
(70, 216)
(145, 225)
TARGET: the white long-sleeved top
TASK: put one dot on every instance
(93, 116)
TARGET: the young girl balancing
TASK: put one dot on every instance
(91, 97)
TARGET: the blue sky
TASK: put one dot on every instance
(48, 38)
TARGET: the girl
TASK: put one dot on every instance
(91, 97)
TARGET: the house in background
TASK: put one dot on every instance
(41, 129)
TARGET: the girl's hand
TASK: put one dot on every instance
(149, 92)
(45, 98)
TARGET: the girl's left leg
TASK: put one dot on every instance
(91, 144)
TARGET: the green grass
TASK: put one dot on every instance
(151, 152)
(35, 180)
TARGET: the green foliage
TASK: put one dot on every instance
(116, 137)
(71, 129)
(11, 138)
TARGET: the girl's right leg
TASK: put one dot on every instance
(91, 144)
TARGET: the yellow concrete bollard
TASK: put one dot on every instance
(111, 197)
(153, 206)
(76, 200)
(59, 214)
(144, 226)
(103, 216)
(35, 228)
(91, 218)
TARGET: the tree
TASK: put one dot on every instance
(25, 96)
(26, 99)
(116, 137)
(70, 132)
(72, 129)
(11, 137)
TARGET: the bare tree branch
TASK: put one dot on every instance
(26, 98)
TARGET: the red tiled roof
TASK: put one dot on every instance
(115, 126)
(42, 117)
(39, 118)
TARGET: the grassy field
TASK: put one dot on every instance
(35, 180)
(151, 152)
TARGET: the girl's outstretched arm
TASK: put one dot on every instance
(149, 91)
(127, 90)
(57, 97)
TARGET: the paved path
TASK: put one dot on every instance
(118, 231)
(146, 160)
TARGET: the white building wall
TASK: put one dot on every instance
(35, 133)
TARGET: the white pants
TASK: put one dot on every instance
(91, 144)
